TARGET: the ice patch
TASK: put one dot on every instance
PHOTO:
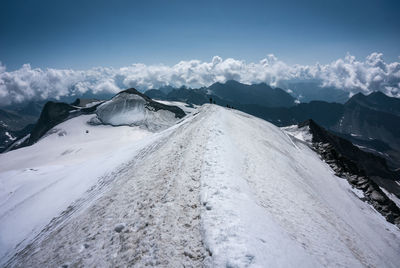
(391, 196)
(10, 136)
(132, 110)
(302, 134)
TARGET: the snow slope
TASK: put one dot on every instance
(40, 181)
(219, 189)
(286, 206)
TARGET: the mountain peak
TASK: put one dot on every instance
(259, 94)
(233, 82)
(378, 95)
(358, 95)
(374, 95)
(308, 122)
(130, 91)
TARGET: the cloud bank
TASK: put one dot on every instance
(347, 73)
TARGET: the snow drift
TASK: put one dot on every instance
(220, 188)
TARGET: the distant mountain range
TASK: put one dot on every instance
(229, 92)
(306, 91)
(370, 122)
(301, 91)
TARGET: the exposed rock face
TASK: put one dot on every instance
(85, 103)
(372, 164)
(53, 113)
(362, 170)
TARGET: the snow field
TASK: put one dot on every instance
(40, 181)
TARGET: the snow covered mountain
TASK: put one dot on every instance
(129, 107)
(216, 188)
(132, 108)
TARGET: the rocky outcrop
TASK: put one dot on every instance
(85, 103)
(53, 113)
(350, 163)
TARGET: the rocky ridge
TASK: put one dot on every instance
(348, 169)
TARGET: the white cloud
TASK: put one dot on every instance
(346, 73)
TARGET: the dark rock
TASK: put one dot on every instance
(390, 217)
(349, 162)
(377, 197)
(353, 179)
(119, 227)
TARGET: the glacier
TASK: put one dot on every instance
(135, 110)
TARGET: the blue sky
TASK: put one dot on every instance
(83, 34)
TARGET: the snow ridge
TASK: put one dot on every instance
(219, 189)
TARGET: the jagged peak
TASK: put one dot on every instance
(308, 122)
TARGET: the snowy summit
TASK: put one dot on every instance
(226, 134)
(217, 188)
